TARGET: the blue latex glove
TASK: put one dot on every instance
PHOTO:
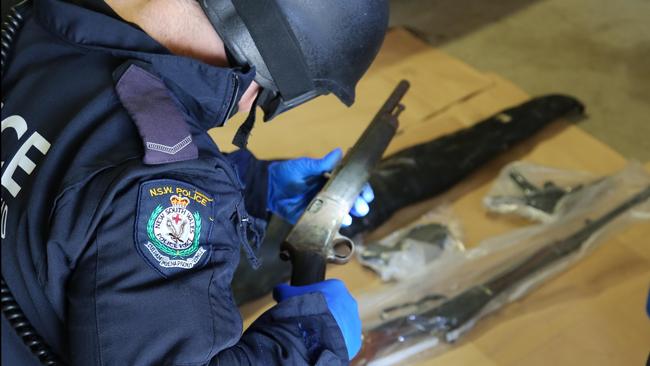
(293, 184)
(341, 304)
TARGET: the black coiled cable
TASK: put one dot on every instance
(24, 328)
(10, 27)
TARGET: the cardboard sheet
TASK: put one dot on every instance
(592, 314)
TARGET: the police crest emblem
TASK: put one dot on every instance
(172, 218)
(174, 234)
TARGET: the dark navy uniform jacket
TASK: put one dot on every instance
(122, 222)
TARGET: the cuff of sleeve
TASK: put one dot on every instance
(320, 331)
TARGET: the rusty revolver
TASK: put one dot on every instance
(315, 239)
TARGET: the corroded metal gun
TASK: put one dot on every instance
(315, 239)
(447, 321)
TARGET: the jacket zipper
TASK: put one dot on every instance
(233, 98)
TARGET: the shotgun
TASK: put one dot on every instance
(315, 239)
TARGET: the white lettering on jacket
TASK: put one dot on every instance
(20, 159)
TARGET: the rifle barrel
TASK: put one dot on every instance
(462, 308)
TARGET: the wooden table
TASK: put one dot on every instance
(592, 314)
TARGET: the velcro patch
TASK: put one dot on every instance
(164, 131)
(173, 225)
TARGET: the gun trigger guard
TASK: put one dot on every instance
(341, 249)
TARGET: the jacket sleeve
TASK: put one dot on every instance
(253, 174)
(153, 284)
(297, 331)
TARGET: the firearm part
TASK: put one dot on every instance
(454, 316)
(315, 238)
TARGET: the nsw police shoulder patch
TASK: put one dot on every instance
(172, 225)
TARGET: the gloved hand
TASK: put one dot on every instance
(341, 304)
(293, 184)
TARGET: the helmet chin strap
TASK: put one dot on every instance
(244, 131)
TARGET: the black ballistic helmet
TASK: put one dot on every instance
(301, 48)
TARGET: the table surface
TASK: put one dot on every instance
(591, 314)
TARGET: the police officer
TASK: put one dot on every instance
(122, 222)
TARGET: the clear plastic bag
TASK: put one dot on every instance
(399, 255)
(534, 191)
(416, 317)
